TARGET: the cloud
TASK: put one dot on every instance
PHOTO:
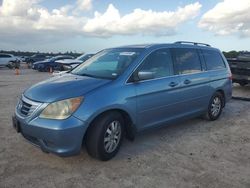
(228, 17)
(139, 21)
(27, 16)
(84, 4)
(27, 19)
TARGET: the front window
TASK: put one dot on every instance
(107, 64)
(159, 63)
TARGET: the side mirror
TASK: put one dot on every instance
(145, 75)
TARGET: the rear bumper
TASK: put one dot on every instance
(60, 137)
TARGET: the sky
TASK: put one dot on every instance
(92, 25)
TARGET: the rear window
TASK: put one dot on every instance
(187, 61)
(213, 60)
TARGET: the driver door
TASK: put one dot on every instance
(157, 98)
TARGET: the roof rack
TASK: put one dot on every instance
(194, 43)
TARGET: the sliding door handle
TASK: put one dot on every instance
(173, 84)
(187, 82)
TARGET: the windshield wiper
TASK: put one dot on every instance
(88, 75)
(93, 76)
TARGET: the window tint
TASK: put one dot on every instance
(159, 62)
(213, 60)
(187, 61)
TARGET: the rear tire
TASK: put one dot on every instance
(104, 137)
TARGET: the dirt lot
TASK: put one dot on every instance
(195, 153)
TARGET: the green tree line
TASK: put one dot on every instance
(21, 53)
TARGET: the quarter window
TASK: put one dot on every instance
(213, 60)
(159, 62)
(187, 61)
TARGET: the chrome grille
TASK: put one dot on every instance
(26, 107)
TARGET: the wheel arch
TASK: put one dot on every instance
(221, 91)
(130, 128)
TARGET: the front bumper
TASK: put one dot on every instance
(61, 137)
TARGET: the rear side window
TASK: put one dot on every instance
(159, 62)
(187, 61)
(4, 56)
(213, 60)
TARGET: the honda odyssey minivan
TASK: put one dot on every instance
(121, 91)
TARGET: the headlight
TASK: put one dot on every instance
(61, 109)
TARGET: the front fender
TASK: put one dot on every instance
(106, 99)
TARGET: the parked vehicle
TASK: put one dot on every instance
(68, 64)
(122, 91)
(240, 68)
(8, 60)
(51, 63)
(34, 58)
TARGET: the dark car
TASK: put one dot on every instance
(68, 64)
(34, 58)
(240, 68)
(49, 64)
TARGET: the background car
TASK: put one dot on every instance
(68, 64)
(240, 68)
(46, 65)
(34, 58)
(8, 60)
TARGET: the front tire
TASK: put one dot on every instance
(104, 137)
(215, 107)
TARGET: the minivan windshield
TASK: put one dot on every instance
(107, 64)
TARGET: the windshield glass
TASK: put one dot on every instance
(107, 64)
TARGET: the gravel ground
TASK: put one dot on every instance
(195, 153)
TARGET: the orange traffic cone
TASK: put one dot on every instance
(17, 71)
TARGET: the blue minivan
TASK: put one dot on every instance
(121, 91)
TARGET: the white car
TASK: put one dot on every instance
(69, 64)
(60, 73)
(7, 60)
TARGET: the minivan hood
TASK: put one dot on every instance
(63, 87)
